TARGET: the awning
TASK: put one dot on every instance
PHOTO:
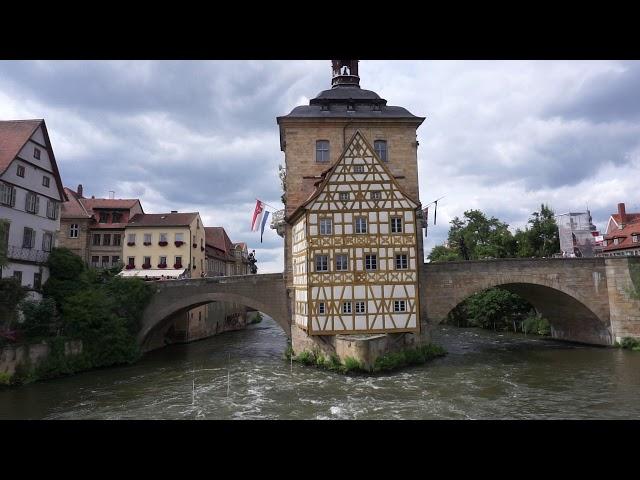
(152, 272)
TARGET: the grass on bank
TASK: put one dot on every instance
(629, 343)
(385, 363)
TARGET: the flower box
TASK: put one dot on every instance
(163, 244)
(146, 244)
(130, 267)
(177, 265)
(162, 265)
(202, 249)
(131, 244)
(146, 266)
(178, 243)
(194, 267)
(195, 245)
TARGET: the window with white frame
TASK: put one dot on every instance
(322, 263)
(361, 224)
(399, 306)
(74, 229)
(344, 196)
(371, 262)
(131, 238)
(321, 308)
(322, 151)
(380, 146)
(163, 237)
(7, 194)
(342, 262)
(147, 238)
(361, 307)
(52, 209)
(396, 224)
(32, 203)
(346, 307)
(402, 261)
(635, 238)
(45, 181)
(616, 241)
(325, 226)
(179, 237)
(146, 261)
(131, 261)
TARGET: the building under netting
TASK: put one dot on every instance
(578, 235)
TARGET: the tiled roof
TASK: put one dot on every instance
(117, 203)
(217, 237)
(631, 226)
(13, 136)
(73, 208)
(162, 219)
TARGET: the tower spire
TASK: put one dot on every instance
(345, 73)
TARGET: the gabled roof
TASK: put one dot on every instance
(14, 134)
(217, 237)
(162, 219)
(73, 207)
(326, 176)
(631, 227)
(110, 203)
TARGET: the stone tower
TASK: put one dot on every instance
(314, 136)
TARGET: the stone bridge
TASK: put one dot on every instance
(265, 293)
(585, 299)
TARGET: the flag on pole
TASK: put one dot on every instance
(264, 222)
(257, 216)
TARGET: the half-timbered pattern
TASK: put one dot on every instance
(354, 250)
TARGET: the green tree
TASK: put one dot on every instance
(476, 237)
(11, 294)
(442, 253)
(4, 242)
(494, 308)
(39, 317)
(541, 238)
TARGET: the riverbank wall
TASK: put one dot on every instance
(16, 357)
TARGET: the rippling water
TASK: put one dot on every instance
(241, 375)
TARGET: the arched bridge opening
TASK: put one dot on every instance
(265, 293)
(569, 318)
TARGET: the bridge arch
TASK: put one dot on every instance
(575, 311)
(265, 293)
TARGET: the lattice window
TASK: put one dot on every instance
(371, 262)
(322, 151)
(361, 307)
(380, 146)
(399, 306)
(346, 307)
(361, 224)
(342, 262)
(325, 226)
(396, 224)
(322, 263)
(402, 261)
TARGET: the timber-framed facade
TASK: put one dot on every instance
(355, 250)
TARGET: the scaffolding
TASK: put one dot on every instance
(577, 235)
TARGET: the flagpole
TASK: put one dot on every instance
(268, 204)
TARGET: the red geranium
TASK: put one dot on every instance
(163, 244)
(179, 243)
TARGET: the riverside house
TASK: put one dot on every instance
(623, 234)
(164, 244)
(31, 192)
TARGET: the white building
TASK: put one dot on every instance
(30, 196)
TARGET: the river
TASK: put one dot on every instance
(241, 375)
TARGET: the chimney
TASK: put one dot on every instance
(623, 215)
(174, 211)
(80, 190)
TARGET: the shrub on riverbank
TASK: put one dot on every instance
(536, 323)
(388, 362)
(256, 319)
(630, 343)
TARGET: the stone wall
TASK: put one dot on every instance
(12, 356)
(625, 310)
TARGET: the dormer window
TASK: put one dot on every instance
(635, 238)
(616, 241)
(351, 107)
(36, 153)
(116, 217)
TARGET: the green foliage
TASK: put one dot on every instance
(39, 318)
(442, 253)
(57, 363)
(352, 364)
(412, 356)
(630, 343)
(634, 271)
(256, 319)
(11, 294)
(494, 308)
(288, 352)
(536, 324)
(5, 378)
(64, 264)
(305, 357)
(476, 237)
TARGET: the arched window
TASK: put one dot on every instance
(380, 146)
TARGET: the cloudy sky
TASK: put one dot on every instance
(500, 136)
